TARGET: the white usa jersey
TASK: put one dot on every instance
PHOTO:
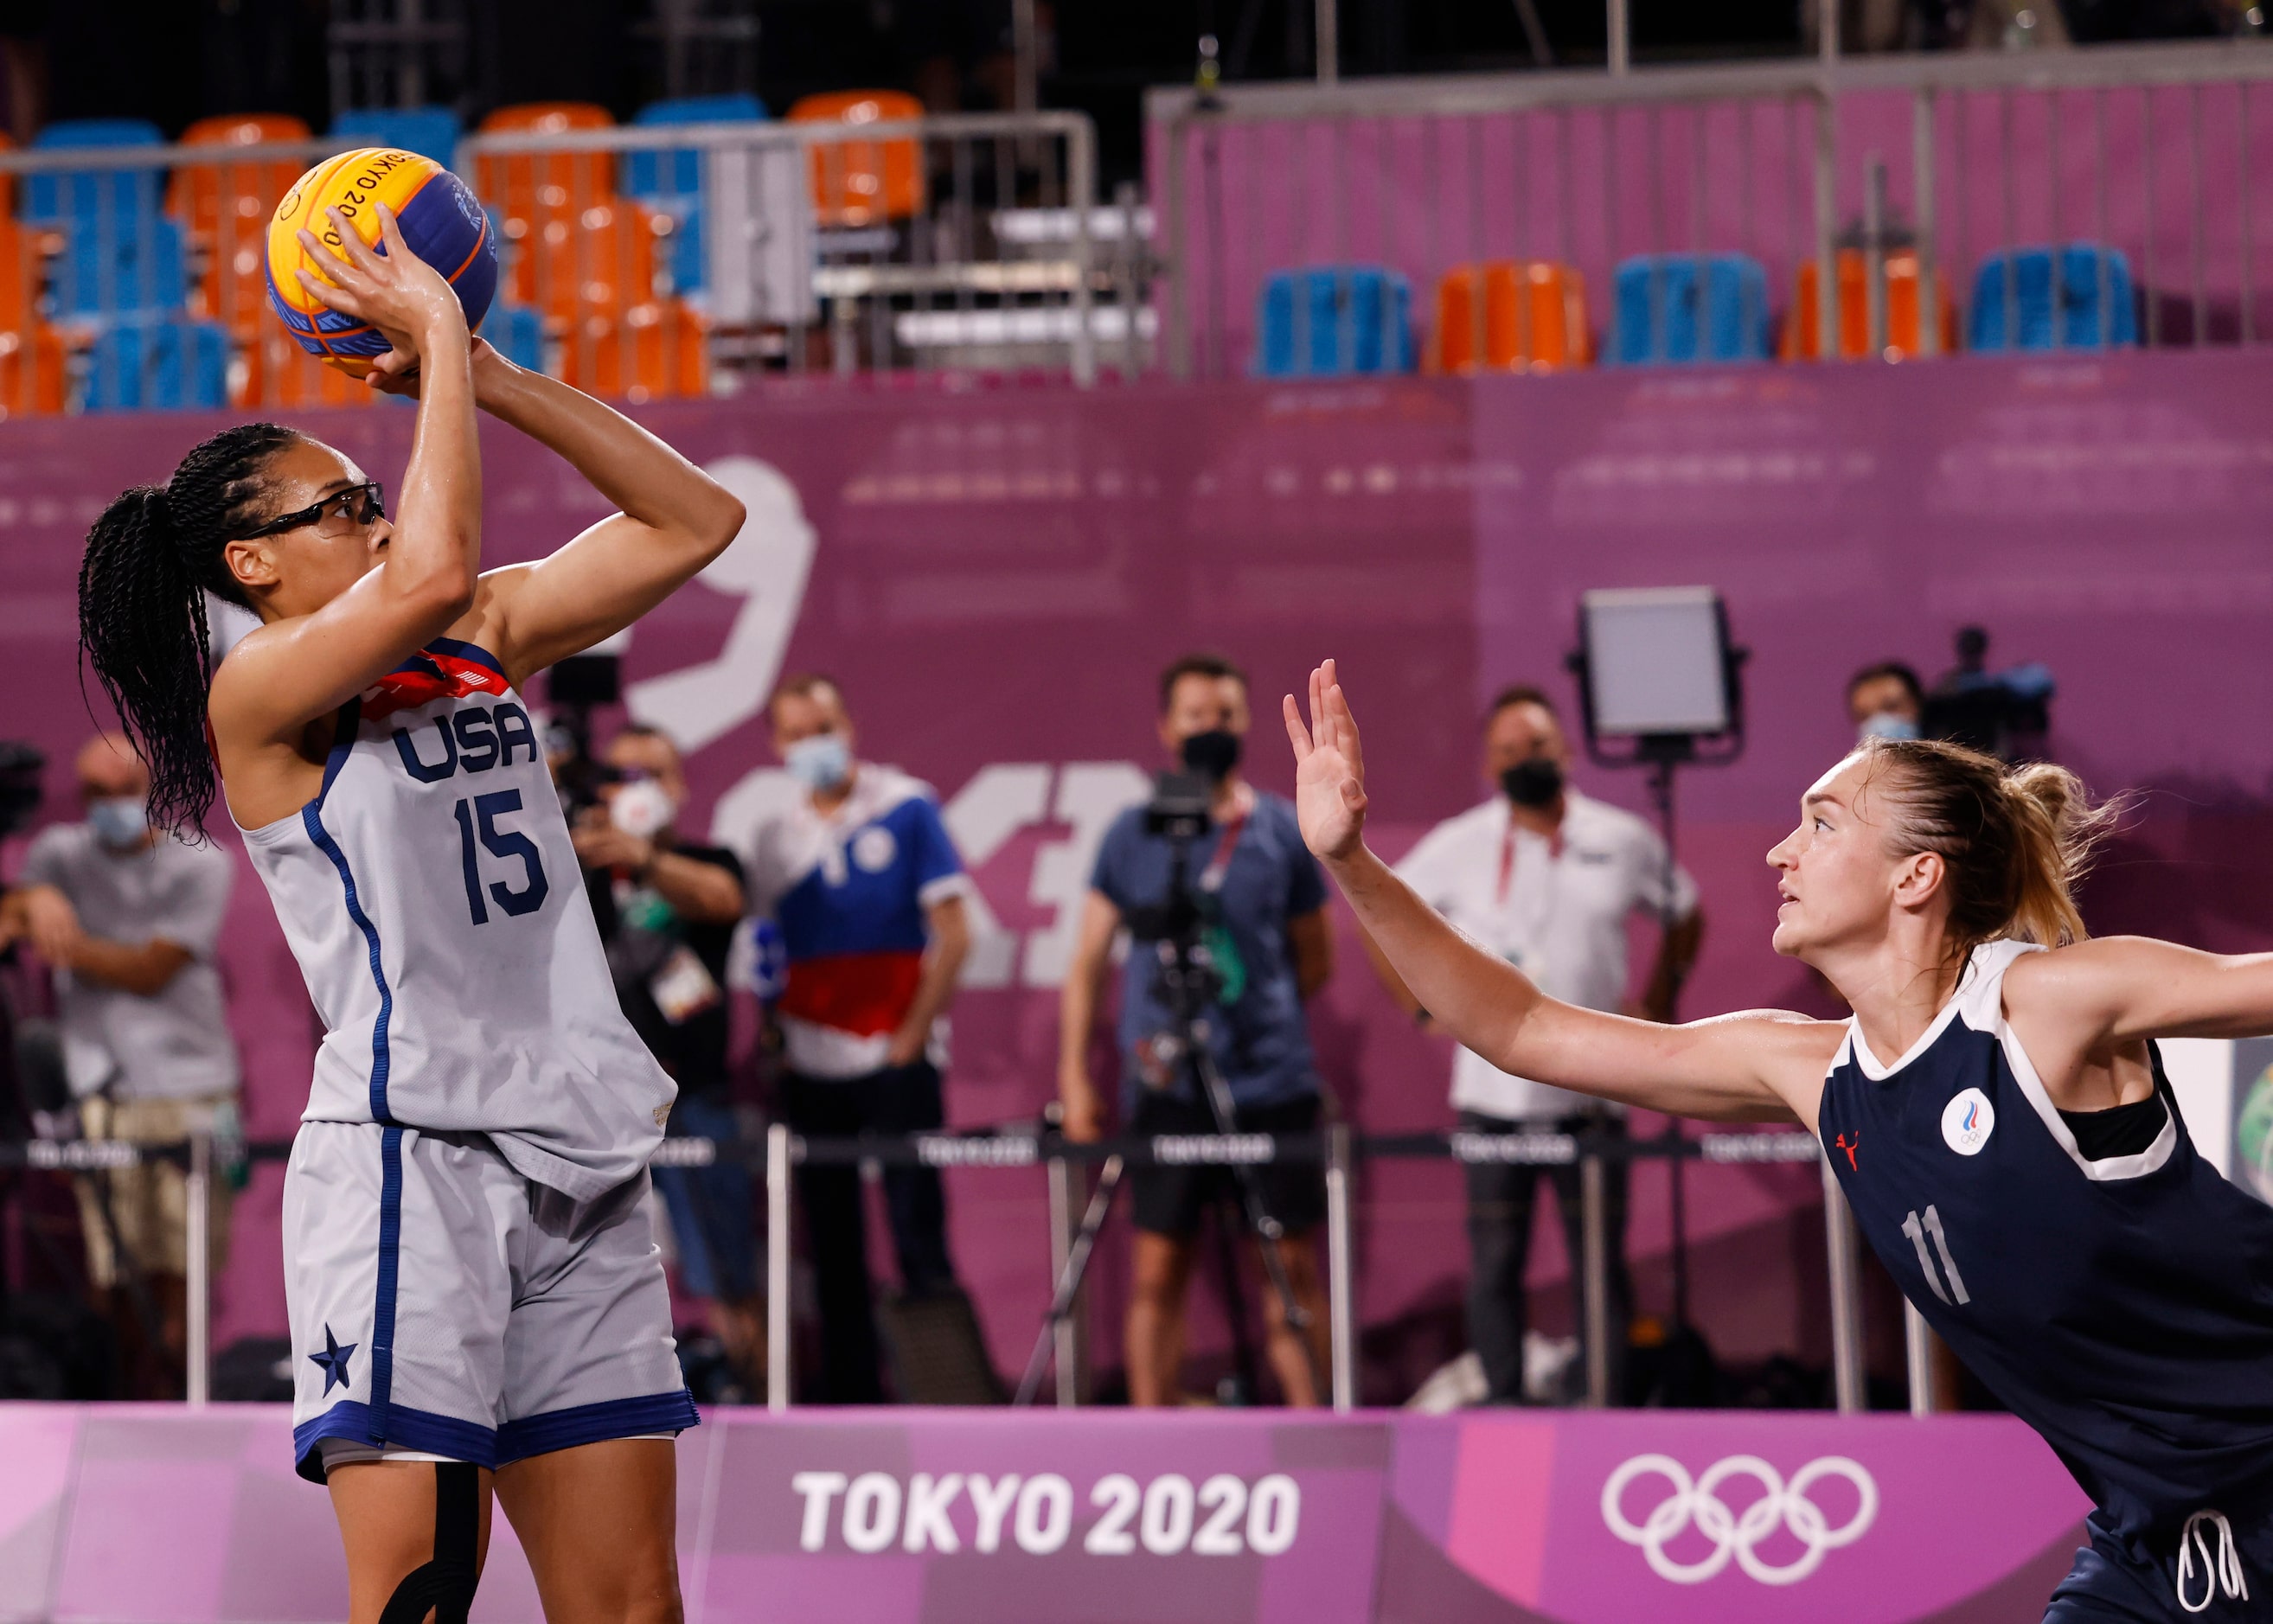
(435, 904)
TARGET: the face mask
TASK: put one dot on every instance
(1211, 754)
(119, 820)
(821, 761)
(642, 809)
(1886, 724)
(1534, 783)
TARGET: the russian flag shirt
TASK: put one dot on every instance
(848, 891)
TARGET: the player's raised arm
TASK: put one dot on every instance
(1757, 1065)
(675, 518)
(417, 572)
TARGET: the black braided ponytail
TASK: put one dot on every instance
(151, 558)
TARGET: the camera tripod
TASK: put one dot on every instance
(1190, 980)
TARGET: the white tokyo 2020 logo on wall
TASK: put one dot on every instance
(1967, 1121)
(1737, 1535)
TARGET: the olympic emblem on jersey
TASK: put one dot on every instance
(873, 849)
(1967, 1121)
(1737, 1535)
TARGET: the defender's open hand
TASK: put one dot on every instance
(1329, 769)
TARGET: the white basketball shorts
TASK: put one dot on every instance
(441, 1303)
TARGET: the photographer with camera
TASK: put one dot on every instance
(1260, 902)
(666, 909)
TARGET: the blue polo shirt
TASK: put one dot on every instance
(1259, 1036)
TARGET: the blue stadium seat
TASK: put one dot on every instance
(2024, 276)
(121, 195)
(1334, 321)
(1658, 304)
(108, 272)
(518, 334)
(165, 365)
(429, 132)
(671, 179)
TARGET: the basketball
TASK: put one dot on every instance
(440, 218)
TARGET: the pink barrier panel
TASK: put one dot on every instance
(139, 1515)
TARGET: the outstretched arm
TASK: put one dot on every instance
(1757, 1065)
(675, 518)
(2073, 1006)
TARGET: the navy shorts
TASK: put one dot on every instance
(2136, 1580)
(1168, 1200)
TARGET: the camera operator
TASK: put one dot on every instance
(859, 874)
(1264, 903)
(1547, 878)
(1886, 700)
(128, 920)
(666, 910)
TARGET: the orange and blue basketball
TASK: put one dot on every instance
(441, 221)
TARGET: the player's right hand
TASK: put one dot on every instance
(397, 292)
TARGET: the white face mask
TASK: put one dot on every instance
(1886, 724)
(642, 809)
(119, 820)
(821, 762)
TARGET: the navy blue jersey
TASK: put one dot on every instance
(2123, 1308)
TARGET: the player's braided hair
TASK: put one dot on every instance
(2013, 841)
(151, 558)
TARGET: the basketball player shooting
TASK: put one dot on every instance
(2016, 1160)
(476, 1304)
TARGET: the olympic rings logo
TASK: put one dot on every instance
(1737, 1534)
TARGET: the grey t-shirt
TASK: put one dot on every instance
(175, 1044)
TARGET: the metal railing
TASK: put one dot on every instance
(1337, 1150)
(635, 261)
(1958, 158)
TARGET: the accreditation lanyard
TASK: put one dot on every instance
(1220, 864)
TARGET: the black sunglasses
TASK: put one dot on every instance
(363, 505)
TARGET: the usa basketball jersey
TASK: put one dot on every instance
(435, 904)
(2122, 1308)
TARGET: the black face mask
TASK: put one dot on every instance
(1532, 783)
(1211, 754)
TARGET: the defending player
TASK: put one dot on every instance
(2016, 1161)
(471, 1278)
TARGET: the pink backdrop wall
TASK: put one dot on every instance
(997, 576)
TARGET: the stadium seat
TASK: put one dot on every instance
(601, 258)
(167, 364)
(672, 180)
(1800, 341)
(522, 185)
(31, 373)
(121, 195)
(106, 273)
(1658, 318)
(652, 351)
(429, 132)
(1331, 321)
(517, 332)
(1535, 317)
(858, 183)
(274, 371)
(226, 207)
(2024, 276)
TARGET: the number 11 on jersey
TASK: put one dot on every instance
(1917, 1232)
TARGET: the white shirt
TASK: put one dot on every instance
(173, 1044)
(1556, 910)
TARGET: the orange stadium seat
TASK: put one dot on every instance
(1535, 317)
(652, 351)
(600, 257)
(274, 371)
(523, 187)
(1801, 341)
(225, 206)
(857, 183)
(31, 373)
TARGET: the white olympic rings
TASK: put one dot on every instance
(1735, 1534)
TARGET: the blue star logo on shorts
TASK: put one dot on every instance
(333, 1361)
